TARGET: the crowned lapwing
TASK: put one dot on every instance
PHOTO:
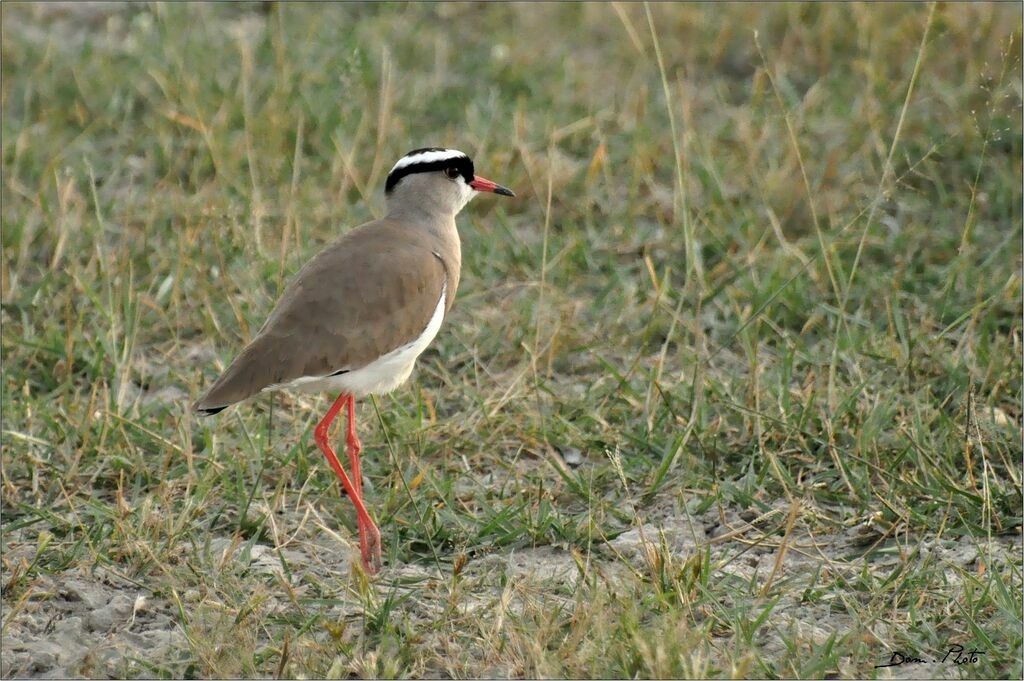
(357, 316)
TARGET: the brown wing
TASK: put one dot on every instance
(370, 292)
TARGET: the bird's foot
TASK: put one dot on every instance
(370, 548)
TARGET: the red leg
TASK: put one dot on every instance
(353, 448)
(369, 535)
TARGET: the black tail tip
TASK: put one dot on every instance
(210, 411)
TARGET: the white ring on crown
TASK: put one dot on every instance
(428, 157)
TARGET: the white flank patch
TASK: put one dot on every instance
(382, 375)
(428, 157)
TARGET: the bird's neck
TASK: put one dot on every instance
(439, 223)
(417, 211)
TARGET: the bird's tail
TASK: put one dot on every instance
(238, 382)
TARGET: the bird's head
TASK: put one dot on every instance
(436, 180)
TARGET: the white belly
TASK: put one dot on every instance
(382, 375)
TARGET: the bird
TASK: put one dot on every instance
(359, 313)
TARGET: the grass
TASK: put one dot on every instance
(732, 388)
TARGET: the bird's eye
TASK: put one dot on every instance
(451, 173)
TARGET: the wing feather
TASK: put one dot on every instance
(370, 292)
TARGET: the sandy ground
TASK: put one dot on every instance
(94, 623)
